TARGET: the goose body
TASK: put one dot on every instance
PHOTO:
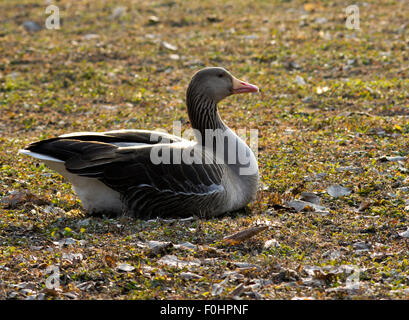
(147, 174)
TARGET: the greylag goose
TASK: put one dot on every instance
(145, 174)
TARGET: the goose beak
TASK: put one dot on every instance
(243, 87)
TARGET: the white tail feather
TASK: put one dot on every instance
(39, 156)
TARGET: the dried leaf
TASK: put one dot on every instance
(364, 205)
(310, 197)
(272, 243)
(153, 20)
(337, 191)
(214, 18)
(110, 261)
(246, 266)
(405, 234)
(118, 12)
(218, 288)
(299, 80)
(189, 276)
(312, 6)
(299, 205)
(173, 261)
(84, 286)
(91, 36)
(275, 199)
(71, 295)
(17, 198)
(66, 242)
(237, 291)
(186, 246)
(244, 235)
(125, 267)
(321, 90)
(361, 245)
(169, 46)
(72, 257)
(31, 26)
(52, 291)
(159, 247)
(391, 159)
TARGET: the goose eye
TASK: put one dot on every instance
(220, 75)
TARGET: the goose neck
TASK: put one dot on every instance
(203, 114)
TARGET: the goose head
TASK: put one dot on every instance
(217, 83)
(207, 87)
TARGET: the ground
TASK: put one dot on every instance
(332, 120)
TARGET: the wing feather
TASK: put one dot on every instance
(147, 189)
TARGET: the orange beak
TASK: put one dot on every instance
(243, 87)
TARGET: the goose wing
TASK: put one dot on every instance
(148, 188)
(124, 136)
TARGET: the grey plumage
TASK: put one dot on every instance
(122, 161)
